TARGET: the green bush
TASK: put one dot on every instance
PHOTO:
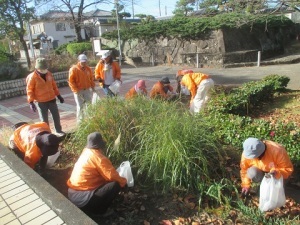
(195, 27)
(248, 97)
(79, 48)
(168, 147)
(61, 49)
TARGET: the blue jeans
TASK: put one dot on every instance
(44, 107)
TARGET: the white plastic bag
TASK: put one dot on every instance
(115, 87)
(124, 170)
(95, 98)
(271, 193)
(52, 159)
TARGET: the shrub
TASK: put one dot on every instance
(12, 70)
(168, 148)
(79, 48)
(244, 99)
(61, 49)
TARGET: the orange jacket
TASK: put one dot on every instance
(100, 74)
(275, 158)
(40, 90)
(183, 72)
(192, 80)
(24, 138)
(132, 93)
(80, 79)
(158, 90)
(93, 170)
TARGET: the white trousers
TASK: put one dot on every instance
(82, 98)
(202, 95)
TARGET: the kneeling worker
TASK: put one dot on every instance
(34, 143)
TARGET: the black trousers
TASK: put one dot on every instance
(102, 198)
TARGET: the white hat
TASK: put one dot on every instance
(105, 54)
(82, 58)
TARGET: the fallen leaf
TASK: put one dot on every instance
(146, 222)
(165, 222)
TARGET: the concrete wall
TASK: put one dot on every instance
(215, 48)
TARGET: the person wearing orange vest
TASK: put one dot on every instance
(261, 157)
(81, 80)
(107, 72)
(138, 89)
(42, 89)
(94, 181)
(162, 89)
(34, 143)
(199, 85)
(179, 75)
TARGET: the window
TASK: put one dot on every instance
(60, 27)
(36, 29)
(72, 26)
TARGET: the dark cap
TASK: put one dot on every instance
(48, 143)
(95, 141)
(165, 80)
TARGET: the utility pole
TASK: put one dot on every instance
(132, 2)
(118, 28)
(159, 7)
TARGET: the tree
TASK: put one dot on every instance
(247, 6)
(14, 16)
(76, 9)
(183, 7)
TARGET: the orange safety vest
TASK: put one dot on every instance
(192, 80)
(80, 79)
(132, 93)
(24, 139)
(275, 158)
(39, 89)
(93, 170)
(158, 90)
(100, 73)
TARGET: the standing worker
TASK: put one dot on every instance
(107, 72)
(200, 86)
(81, 80)
(42, 89)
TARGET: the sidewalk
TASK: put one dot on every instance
(14, 110)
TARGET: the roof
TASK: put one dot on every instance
(97, 13)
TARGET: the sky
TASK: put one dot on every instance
(151, 7)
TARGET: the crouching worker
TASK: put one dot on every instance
(139, 89)
(260, 157)
(94, 182)
(162, 90)
(34, 143)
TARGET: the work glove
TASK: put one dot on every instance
(32, 106)
(61, 99)
(245, 190)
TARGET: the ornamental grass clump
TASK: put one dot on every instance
(168, 148)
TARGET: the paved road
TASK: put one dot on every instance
(224, 76)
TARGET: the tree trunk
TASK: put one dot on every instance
(78, 33)
(23, 42)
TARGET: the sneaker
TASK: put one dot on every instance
(60, 134)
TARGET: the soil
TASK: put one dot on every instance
(140, 206)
